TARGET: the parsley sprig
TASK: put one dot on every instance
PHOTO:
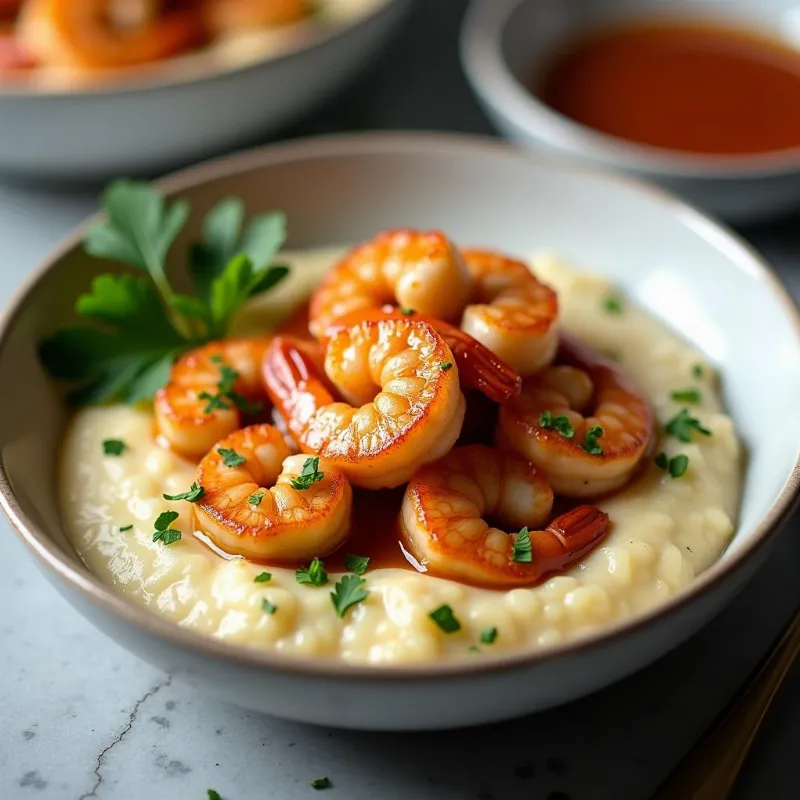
(560, 424)
(348, 591)
(683, 424)
(309, 475)
(133, 326)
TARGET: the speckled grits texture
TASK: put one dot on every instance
(665, 531)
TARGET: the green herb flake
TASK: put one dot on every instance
(678, 465)
(168, 536)
(445, 619)
(314, 574)
(165, 519)
(213, 795)
(407, 311)
(196, 491)
(687, 396)
(448, 365)
(114, 447)
(262, 577)
(126, 528)
(561, 424)
(488, 635)
(348, 592)
(589, 444)
(357, 564)
(256, 498)
(214, 402)
(613, 304)
(682, 425)
(522, 551)
(473, 650)
(309, 475)
(230, 458)
(321, 783)
(267, 607)
(697, 370)
(662, 462)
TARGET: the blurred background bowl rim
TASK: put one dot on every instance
(160, 75)
(488, 71)
(100, 594)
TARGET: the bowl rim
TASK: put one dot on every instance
(149, 78)
(487, 69)
(80, 579)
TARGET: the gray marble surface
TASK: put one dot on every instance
(81, 718)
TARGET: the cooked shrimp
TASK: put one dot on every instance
(260, 502)
(582, 423)
(445, 510)
(222, 16)
(511, 312)
(415, 270)
(208, 391)
(82, 33)
(402, 403)
(478, 367)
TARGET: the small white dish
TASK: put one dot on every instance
(158, 117)
(503, 42)
(671, 259)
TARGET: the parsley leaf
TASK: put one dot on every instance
(683, 424)
(447, 365)
(126, 528)
(314, 574)
(678, 465)
(560, 424)
(488, 635)
(662, 462)
(347, 592)
(262, 577)
(230, 458)
(522, 551)
(406, 310)
(445, 619)
(256, 498)
(114, 447)
(267, 607)
(196, 491)
(165, 519)
(589, 444)
(309, 475)
(321, 783)
(697, 370)
(357, 564)
(687, 396)
(168, 536)
(213, 795)
(613, 304)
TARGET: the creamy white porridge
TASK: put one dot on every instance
(665, 530)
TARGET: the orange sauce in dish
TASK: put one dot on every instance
(680, 86)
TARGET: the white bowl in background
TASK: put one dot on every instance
(157, 117)
(340, 190)
(503, 42)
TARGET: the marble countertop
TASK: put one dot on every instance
(82, 718)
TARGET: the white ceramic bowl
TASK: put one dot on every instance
(681, 266)
(173, 113)
(504, 41)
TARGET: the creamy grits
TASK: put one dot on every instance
(665, 530)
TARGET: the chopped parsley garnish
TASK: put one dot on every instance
(676, 466)
(347, 592)
(225, 392)
(613, 304)
(262, 577)
(163, 532)
(488, 635)
(314, 574)
(168, 536)
(196, 491)
(560, 424)
(214, 402)
(407, 311)
(256, 498)
(126, 528)
(134, 325)
(309, 475)
(114, 447)
(687, 396)
(230, 458)
(446, 366)
(213, 795)
(522, 551)
(357, 564)
(683, 424)
(589, 444)
(445, 619)
(697, 370)
(321, 783)
(267, 607)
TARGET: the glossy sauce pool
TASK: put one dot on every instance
(680, 86)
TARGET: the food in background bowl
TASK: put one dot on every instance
(444, 453)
